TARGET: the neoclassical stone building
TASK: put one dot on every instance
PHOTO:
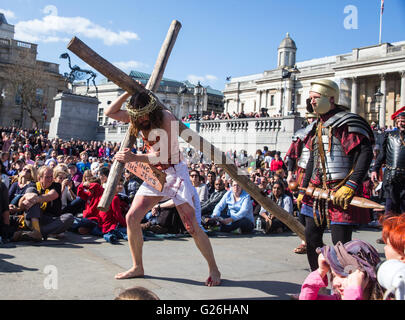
(181, 97)
(359, 74)
(43, 75)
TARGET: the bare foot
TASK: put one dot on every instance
(214, 279)
(131, 273)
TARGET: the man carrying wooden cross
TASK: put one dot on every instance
(153, 124)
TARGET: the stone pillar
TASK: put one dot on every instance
(237, 100)
(354, 104)
(383, 88)
(402, 88)
(288, 97)
(259, 99)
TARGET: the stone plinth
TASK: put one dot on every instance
(75, 117)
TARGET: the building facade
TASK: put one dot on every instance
(182, 98)
(360, 74)
(19, 58)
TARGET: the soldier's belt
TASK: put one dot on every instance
(396, 169)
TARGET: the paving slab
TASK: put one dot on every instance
(253, 267)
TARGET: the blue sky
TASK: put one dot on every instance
(218, 39)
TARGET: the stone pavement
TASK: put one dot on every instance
(253, 267)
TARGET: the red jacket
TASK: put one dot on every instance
(276, 164)
(92, 196)
(110, 219)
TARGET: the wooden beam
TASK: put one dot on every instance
(125, 82)
(190, 136)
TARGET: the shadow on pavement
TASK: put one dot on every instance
(8, 267)
(277, 289)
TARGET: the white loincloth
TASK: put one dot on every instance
(177, 187)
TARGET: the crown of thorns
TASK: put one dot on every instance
(137, 113)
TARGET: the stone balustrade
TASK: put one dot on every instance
(248, 134)
(241, 125)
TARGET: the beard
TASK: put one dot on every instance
(144, 125)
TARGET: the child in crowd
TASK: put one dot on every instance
(111, 224)
(137, 293)
(89, 191)
(393, 235)
(353, 273)
(84, 164)
(131, 184)
(103, 175)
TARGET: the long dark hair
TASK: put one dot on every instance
(139, 101)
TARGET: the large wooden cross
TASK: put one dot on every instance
(128, 84)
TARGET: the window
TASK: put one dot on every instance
(287, 59)
(18, 98)
(39, 95)
(298, 99)
(100, 112)
(272, 100)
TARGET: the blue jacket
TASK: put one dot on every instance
(236, 210)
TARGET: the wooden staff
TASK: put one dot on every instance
(199, 143)
(320, 193)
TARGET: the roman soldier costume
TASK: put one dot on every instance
(393, 155)
(298, 154)
(340, 145)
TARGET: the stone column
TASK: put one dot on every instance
(288, 97)
(237, 98)
(402, 88)
(354, 104)
(259, 99)
(383, 88)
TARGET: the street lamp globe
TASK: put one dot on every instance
(378, 96)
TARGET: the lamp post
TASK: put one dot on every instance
(378, 98)
(182, 92)
(197, 92)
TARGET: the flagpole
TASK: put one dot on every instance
(379, 41)
(381, 14)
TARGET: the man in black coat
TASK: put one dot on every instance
(207, 207)
(393, 156)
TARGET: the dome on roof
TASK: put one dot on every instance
(287, 43)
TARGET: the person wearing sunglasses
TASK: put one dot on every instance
(239, 214)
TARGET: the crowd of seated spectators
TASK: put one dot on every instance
(54, 186)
